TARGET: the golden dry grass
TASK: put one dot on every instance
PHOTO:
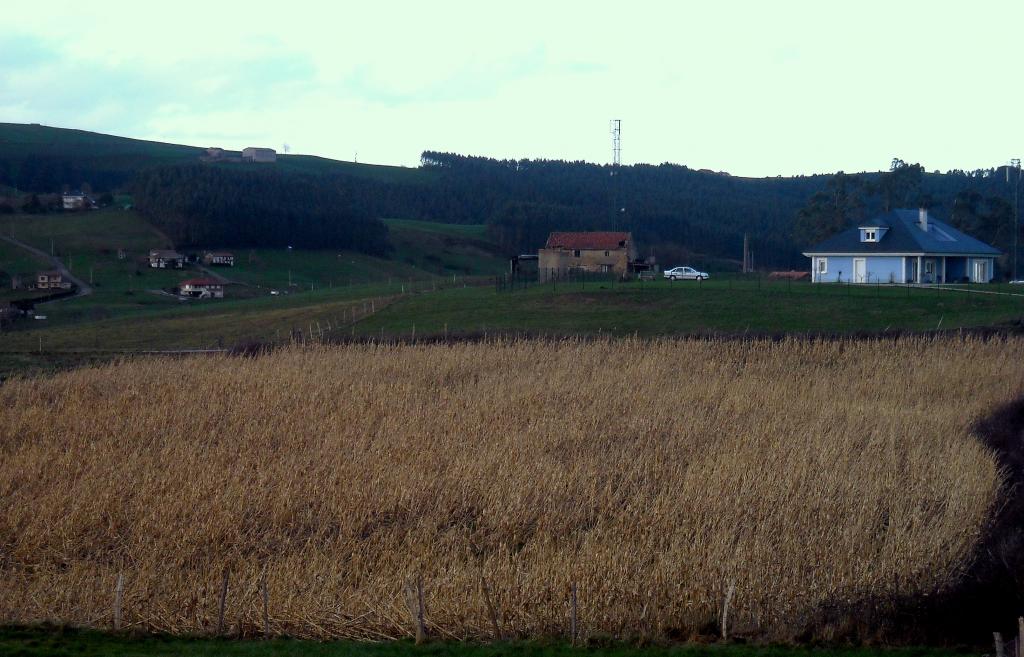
(653, 474)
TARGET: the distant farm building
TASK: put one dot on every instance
(76, 201)
(596, 252)
(217, 154)
(253, 154)
(166, 259)
(51, 280)
(202, 288)
(219, 258)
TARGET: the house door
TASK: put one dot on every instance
(860, 270)
(981, 271)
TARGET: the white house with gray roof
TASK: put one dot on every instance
(902, 246)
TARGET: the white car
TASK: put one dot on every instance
(684, 273)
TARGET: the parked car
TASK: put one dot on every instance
(685, 273)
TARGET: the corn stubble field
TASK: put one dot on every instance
(654, 475)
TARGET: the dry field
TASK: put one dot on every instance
(655, 475)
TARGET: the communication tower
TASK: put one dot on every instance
(615, 128)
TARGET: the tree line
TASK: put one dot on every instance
(675, 212)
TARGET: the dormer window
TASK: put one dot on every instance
(870, 235)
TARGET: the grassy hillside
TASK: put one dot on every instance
(89, 243)
(446, 249)
(115, 159)
(339, 474)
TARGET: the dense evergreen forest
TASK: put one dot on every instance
(675, 212)
(198, 205)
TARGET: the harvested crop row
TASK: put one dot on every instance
(654, 475)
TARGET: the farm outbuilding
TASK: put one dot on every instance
(591, 252)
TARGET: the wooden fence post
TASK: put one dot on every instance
(414, 596)
(118, 600)
(572, 614)
(223, 603)
(1000, 648)
(266, 609)
(725, 609)
(1020, 636)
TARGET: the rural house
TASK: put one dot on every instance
(253, 154)
(222, 258)
(605, 251)
(902, 246)
(166, 259)
(202, 288)
(51, 280)
(76, 201)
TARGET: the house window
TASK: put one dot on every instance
(870, 235)
(576, 253)
(929, 266)
(822, 265)
(607, 253)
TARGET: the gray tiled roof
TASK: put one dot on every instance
(904, 236)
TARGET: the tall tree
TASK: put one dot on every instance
(831, 210)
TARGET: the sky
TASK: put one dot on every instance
(752, 88)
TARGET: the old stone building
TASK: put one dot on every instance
(596, 252)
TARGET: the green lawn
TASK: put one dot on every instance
(62, 642)
(306, 270)
(687, 307)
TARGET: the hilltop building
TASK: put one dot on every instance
(253, 154)
(902, 246)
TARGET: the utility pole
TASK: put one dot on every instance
(1015, 164)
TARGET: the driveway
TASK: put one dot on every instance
(83, 289)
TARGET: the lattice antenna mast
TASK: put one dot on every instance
(615, 127)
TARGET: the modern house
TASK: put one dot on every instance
(566, 253)
(222, 258)
(253, 154)
(166, 259)
(902, 246)
(51, 280)
(202, 288)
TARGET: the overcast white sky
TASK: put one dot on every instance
(753, 88)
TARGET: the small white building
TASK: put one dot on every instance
(202, 288)
(254, 154)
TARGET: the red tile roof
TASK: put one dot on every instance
(598, 241)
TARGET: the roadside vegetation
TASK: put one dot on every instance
(818, 482)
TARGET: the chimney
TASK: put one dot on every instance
(922, 219)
